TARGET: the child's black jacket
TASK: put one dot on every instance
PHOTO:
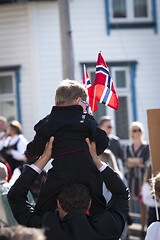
(69, 126)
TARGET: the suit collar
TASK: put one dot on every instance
(73, 214)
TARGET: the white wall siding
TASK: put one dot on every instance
(15, 49)
(48, 54)
(30, 36)
(142, 45)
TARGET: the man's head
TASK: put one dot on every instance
(14, 128)
(21, 233)
(105, 123)
(75, 196)
(70, 92)
(3, 172)
(136, 131)
(3, 123)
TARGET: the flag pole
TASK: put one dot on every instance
(84, 69)
(94, 99)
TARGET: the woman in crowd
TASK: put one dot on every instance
(138, 159)
(147, 197)
(109, 158)
(153, 231)
(14, 145)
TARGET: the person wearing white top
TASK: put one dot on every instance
(153, 231)
(3, 126)
(14, 145)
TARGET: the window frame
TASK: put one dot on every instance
(13, 71)
(122, 92)
(6, 97)
(130, 18)
(128, 91)
(139, 23)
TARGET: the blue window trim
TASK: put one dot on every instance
(16, 70)
(126, 25)
(133, 89)
(132, 67)
(107, 16)
(155, 15)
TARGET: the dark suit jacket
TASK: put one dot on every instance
(116, 147)
(106, 224)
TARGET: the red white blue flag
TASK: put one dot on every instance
(87, 83)
(103, 87)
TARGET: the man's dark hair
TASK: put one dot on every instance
(75, 196)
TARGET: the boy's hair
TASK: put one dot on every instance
(75, 196)
(67, 91)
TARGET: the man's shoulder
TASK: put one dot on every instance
(114, 138)
(50, 218)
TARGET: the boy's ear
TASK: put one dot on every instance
(77, 100)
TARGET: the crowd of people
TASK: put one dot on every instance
(89, 179)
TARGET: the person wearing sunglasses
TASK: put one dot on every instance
(70, 124)
(138, 159)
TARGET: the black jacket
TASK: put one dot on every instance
(69, 126)
(107, 224)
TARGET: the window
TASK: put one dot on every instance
(122, 118)
(124, 14)
(140, 8)
(130, 11)
(119, 9)
(9, 95)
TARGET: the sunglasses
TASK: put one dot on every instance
(109, 127)
(136, 130)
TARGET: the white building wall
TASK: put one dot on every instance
(16, 49)
(30, 36)
(142, 45)
(47, 54)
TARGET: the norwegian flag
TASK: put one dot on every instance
(87, 83)
(103, 87)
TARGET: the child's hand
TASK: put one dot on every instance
(92, 150)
